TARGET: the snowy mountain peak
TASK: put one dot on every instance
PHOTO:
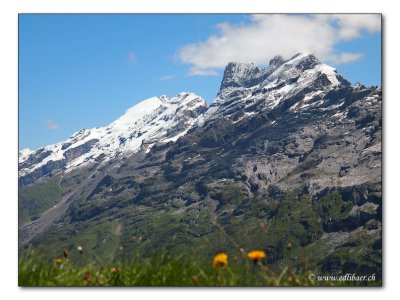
(154, 120)
(304, 60)
(293, 68)
(246, 87)
(246, 90)
(238, 74)
(276, 62)
(243, 75)
(24, 153)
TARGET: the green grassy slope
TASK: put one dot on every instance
(33, 200)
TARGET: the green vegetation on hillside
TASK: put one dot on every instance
(335, 233)
(34, 200)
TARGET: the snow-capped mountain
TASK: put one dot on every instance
(293, 146)
(158, 119)
(301, 82)
(246, 86)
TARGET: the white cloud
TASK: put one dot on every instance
(351, 26)
(132, 58)
(345, 57)
(202, 71)
(268, 35)
(52, 125)
(167, 77)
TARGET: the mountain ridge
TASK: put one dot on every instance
(157, 118)
(232, 77)
(295, 157)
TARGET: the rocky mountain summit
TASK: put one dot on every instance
(286, 153)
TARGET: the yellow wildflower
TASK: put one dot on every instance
(256, 255)
(80, 249)
(58, 260)
(220, 260)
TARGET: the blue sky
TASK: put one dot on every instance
(83, 71)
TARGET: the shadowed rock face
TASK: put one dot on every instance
(247, 75)
(293, 146)
(72, 153)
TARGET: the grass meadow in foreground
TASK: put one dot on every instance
(167, 270)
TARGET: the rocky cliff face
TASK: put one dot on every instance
(289, 153)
